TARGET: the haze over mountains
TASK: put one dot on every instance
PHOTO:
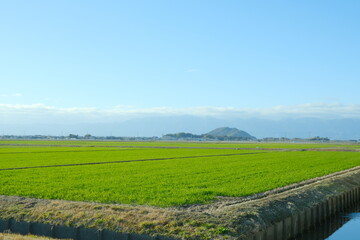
(341, 129)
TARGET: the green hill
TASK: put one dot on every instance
(221, 134)
(229, 133)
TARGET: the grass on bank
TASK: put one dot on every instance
(8, 236)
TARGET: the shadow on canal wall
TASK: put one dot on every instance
(342, 226)
(65, 232)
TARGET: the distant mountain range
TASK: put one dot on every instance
(335, 129)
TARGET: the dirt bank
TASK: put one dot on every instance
(6, 236)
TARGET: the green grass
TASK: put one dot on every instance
(15, 157)
(160, 183)
(12, 236)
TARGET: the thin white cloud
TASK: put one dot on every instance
(11, 95)
(191, 70)
(16, 113)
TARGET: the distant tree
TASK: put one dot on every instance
(320, 139)
(73, 136)
(87, 136)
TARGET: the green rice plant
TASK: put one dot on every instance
(176, 181)
(47, 156)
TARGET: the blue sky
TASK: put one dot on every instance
(179, 57)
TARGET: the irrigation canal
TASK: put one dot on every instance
(345, 226)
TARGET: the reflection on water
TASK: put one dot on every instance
(350, 230)
(342, 227)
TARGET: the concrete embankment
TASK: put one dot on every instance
(293, 226)
(64, 232)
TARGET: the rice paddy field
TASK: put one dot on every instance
(161, 173)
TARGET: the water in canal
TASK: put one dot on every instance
(342, 227)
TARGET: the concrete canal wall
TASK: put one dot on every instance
(64, 232)
(293, 226)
